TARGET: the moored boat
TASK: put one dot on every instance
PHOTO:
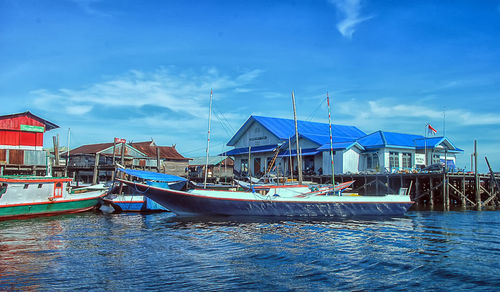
(132, 200)
(29, 196)
(293, 200)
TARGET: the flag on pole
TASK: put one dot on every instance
(431, 129)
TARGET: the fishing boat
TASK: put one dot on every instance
(288, 200)
(129, 199)
(30, 196)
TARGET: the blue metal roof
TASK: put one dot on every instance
(305, 152)
(285, 128)
(381, 139)
(254, 149)
(152, 175)
(340, 146)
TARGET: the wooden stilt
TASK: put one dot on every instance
(431, 200)
(96, 169)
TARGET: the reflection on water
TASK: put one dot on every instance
(423, 250)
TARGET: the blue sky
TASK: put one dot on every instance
(143, 69)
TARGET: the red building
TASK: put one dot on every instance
(21, 138)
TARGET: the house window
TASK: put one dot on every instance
(393, 159)
(435, 159)
(406, 157)
(244, 166)
(372, 161)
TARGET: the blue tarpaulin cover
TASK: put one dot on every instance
(152, 175)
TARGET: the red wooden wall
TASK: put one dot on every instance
(11, 134)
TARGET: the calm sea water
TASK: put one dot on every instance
(420, 251)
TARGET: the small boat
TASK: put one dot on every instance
(287, 200)
(132, 200)
(29, 196)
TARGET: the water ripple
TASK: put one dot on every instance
(423, 250)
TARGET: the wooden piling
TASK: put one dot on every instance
(476, 179)
(96, 169)
(158, 161)
(431, 194)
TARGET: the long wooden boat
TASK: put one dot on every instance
(29, 196)
(288, 200)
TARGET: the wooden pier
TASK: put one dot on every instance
(441, 191)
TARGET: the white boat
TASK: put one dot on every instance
(295, 200)
(29, 196)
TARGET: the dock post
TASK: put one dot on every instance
(476, 179)
(444, 191)
(431, 200)
(417, 189)
(364, 187)
(464, 202)
(376, 184)
(122, 160)
(447, 177)
(96, 169)
(158, 163)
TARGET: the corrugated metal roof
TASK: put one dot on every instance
(255, 149)
(381, 139)
(212, 160)
(48, 125)
(90, 149)
(285, 128)
(340, 146)
(166, 152)
(305, 152)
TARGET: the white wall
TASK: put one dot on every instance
(256, 135)
(351, 160)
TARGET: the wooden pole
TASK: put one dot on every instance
(248, 166)
(67, 154)
(464, 202)
(417, 188)
(114, 149)
(447, 192)
(444, 191)
(431, 200)
(158, 162)
(96, 169)
(56, 150)
(122, 160)
(476, 179)
(299, 159)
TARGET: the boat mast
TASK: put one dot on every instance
(299, 159)
(290, 156)
(208, 139)
(331, 138)
(67, 153)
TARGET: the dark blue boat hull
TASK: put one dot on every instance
(183, 203)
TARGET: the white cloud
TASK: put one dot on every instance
(380, 114)
(180, 92)
(351, 10)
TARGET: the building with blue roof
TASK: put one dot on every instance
(260, 139)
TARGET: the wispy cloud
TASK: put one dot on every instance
(386, 115)
(180, 92)
(88, 7)
(351, 10)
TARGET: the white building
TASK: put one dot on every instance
(260, 138)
